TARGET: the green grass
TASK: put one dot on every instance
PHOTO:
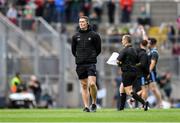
(76, 115)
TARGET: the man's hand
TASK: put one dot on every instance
(119, 63)
(148, 76)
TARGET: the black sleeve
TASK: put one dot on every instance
(154, 56)
(73, 46)
(143, 60)
(121, 55)
(97, 43)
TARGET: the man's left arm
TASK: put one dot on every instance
(97, 43)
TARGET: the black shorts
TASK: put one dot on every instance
(128, 78)
(136, 86)
(83, 71)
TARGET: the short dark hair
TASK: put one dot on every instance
(17, 73)
(144, 43)
(127, 37)
(153, 41)
(86, 18)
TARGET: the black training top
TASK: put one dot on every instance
(86, 46)
(143, 62)
(128, 59)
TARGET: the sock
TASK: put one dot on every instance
(137, 97)
(122, 100)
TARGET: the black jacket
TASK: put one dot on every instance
(128, 59)
(143, 62)
(86, 46)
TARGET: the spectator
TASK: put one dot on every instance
(171, 33)
(12, 14)
(39, 7)
(28, 23)
(86, 6)
(114, 35)
(59, 11)
(94, 21)
(67, 11)
(75, 10)
(178, 25)
(28, 12)
(97, 7)
(126, 9)
(35, 86)
(165, 84)
(49, 10)
(15, 81)
(111, 10)
(144, 18)
(176, 49)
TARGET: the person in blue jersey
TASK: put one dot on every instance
(153, 57)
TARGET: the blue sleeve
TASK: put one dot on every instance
(154, 56)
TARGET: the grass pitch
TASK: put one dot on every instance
(77, 115)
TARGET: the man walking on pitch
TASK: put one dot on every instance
(86, 46)
(153, 57)
(127, 60)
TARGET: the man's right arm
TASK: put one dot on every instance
(73, 46)
(120, 57)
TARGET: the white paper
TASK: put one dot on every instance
(113, 59)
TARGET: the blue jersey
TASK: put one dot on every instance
(153, 55)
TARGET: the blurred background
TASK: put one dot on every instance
(35, 47)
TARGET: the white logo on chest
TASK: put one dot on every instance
(89, 38)
(78, 39)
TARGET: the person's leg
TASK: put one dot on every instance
(144, 88)
(118, 101)
(122, 97)
(144, 92)
(91, 71)
(85, 92)
(153, 87)
(93, 88)
(129, 91)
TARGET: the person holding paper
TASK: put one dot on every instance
(127, 60)
(86, 46)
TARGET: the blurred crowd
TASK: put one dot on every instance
(69, 10)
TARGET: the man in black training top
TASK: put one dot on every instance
(127, 60)
(142, 72)
(143, 68)
(86, 46)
